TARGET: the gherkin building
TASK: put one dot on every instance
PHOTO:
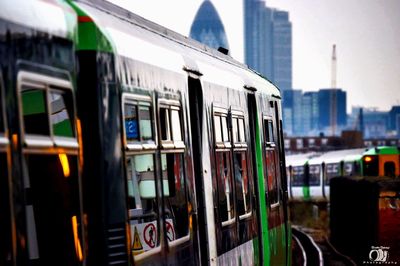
(207, 27)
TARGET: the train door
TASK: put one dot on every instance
(274, 174)
(177, 180)
(225, 189)
(196, 122)
(244, 186)
(50, 169)
(6, 230)
(143, 189)
(389, 165)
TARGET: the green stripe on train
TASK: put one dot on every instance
(306, 192)
(90, 36)
(261, 196)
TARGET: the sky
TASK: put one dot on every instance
(366, 34)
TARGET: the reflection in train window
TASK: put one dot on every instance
(34, 110)
(225, 135)
(217, 129)
(271, 162)
(176, 125)
(175, 197)
(145, 118)
(238, 133)
(138, 121)
(142, 198)
(224, 184)
(269, 131)
(271, 176)
(164, 124)
(61, 113)
(242, 183)
(131, 122)
(171, 127)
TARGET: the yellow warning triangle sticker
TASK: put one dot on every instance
(137, 245)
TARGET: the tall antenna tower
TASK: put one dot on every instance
(333, 84)
(334, 92)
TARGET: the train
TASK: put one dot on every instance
(125, 143)
(309, 174)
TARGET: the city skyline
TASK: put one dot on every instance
(367, 38)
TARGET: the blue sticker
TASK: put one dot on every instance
(131, 129)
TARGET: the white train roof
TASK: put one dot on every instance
(49, 16)
(337, 156)
(139, 39)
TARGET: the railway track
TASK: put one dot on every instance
(311, 247)
(311, 253)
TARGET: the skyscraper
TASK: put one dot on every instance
(268, 42)
(207, 27)
(325, 101)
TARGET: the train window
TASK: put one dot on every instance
(61, 113)
(269, 131)
(131, 122)
(298, 177)
(221, 133)
(145, 119)
(173, 171)
(242, 183)
(142, 202)
(242, 180)
(176, 125)
(217, 129)
(235, 130)
(348, 169)
(225, 193)
(47, 111)
(332, 170)
(164, 124)
(224, 129)
(34, 110)
(171, 127)
(175, 196)
(138, 122)
(314, 175)
(242, 136)
(271, 162)
(271, 177)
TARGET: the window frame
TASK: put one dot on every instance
(171, 105)
(241, 146)
(172, 146)
(47, 84)
(222, 113)
(140, 145)
(224, 147)
(271, 146)
(137, 148)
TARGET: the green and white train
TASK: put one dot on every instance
(124, 143)
(309, 174)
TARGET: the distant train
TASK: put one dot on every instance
(309, 174)
(123, 143)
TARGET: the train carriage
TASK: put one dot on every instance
(328, 165)
(128, 144)
(298, 175)
(39, 150)
(191, 87)
(381, 161)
